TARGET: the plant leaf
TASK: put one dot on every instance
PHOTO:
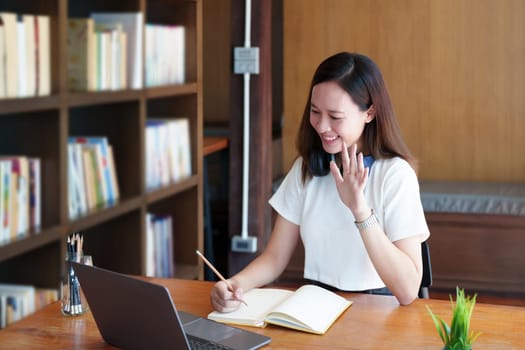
(438, 323)
(457, 336)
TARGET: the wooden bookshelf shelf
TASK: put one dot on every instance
(29, 104)
(78, 99)
(99, 216)
(168, 191)
(167, 91)
(29, 243)
(115, 236)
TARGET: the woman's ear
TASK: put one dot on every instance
(370, 114)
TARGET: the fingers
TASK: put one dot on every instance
(352, 161)
(238, 295)
(345, 159)
(336, 173)
(359, 163)
(223, 299)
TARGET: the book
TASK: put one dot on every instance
(113, 173)
(43, 48)
(157, 169)
(5, 176)
(72, 183)
(159, 246)
(11, 53)
(81, 60)
(18, 196)
(94, 156)
(89, 178)
(150, 246)
(2, 59)
(20, 165)
(28, 22)
(181, 128)
(102, 152)
(35, 200)
(114, 53)
(78, 203)
(22, 58)
(164, 64)
(103, 49)
(310, 308)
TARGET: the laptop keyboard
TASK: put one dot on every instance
(200, 344)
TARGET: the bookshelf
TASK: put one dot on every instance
(40, 126)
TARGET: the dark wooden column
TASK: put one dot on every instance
(260, 131)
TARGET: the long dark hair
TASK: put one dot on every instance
(360, 77)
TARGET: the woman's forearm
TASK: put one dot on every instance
(398, 264)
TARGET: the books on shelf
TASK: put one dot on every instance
(105, 52)
(92, 179)
(310, 309)
(165, 64)
(18, 301)
(159, 246)
(20, 196)
(131, 24)
(168, 151)
(97, 55)
(111, 56)
(25, 47)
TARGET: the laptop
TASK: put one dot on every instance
(135, 314)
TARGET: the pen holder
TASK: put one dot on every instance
(73, 302)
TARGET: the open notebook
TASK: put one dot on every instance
(310, 309)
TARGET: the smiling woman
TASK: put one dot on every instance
(359, 216)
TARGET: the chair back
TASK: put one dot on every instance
(426, 280)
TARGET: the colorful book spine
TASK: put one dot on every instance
(95, 176)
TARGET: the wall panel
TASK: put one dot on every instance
(454, 70)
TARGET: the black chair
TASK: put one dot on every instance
(426, 281)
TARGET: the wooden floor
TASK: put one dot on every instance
(484, 298)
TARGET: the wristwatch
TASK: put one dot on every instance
(366, 223)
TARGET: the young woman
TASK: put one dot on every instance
(352, 195)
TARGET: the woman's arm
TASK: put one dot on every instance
(399, 264)
(263, 270)
(274, 259)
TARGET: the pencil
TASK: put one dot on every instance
(217, 273)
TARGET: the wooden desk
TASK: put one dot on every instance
(372, 322)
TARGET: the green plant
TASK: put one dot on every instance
(457, 336)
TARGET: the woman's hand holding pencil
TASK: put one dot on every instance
(237, 294)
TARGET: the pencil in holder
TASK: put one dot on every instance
(72, 298)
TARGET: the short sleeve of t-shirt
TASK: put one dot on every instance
(399, 199)
(286, 200)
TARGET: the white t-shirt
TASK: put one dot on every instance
(334, 251)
